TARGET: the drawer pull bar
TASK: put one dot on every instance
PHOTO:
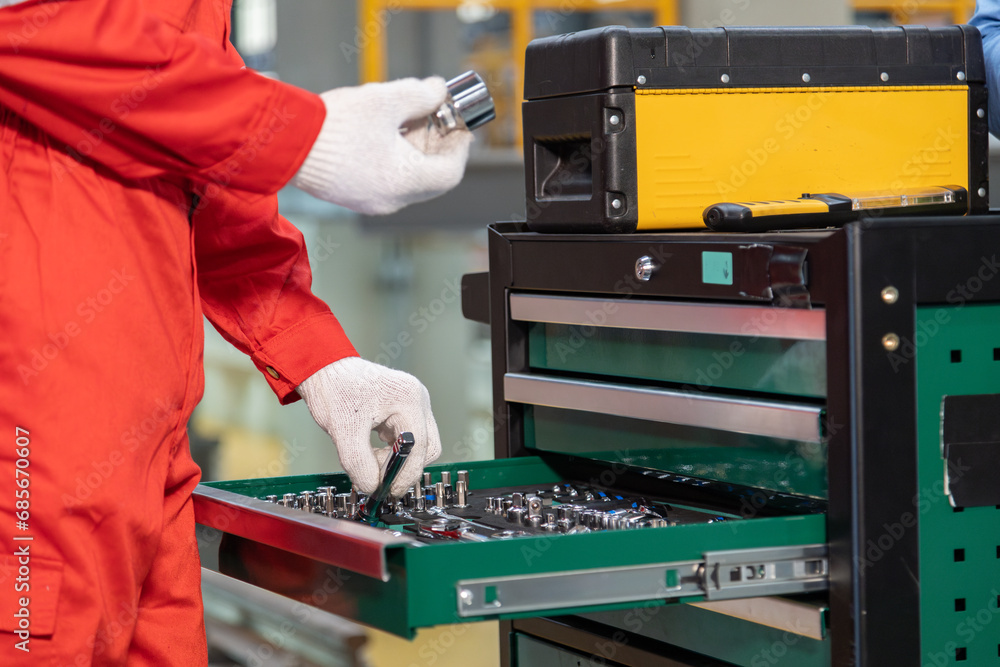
(702, 318)
(776, 419)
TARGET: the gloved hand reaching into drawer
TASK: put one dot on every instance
(352, 397)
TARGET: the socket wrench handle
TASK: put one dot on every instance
(370, 509)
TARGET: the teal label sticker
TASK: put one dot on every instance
(717, 268)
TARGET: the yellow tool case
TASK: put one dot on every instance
(647, 129)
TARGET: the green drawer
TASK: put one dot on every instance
(389, 580)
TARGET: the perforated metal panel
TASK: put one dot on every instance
(957, 351)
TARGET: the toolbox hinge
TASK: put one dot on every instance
(720, 575)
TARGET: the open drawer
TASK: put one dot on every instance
(754, 544)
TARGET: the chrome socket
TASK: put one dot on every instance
(342, 500)
(305, 501)
(516, 514)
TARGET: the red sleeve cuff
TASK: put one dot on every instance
(299, 351)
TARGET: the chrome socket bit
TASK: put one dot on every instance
(517, 498)
(463, 476)
(352, 503)
(563, 525)
(427, 479)
(535, 521)
(449, 494)
(305, 501)
(271, 499)
(342, 500)
(324, 499)
(439, 495)
(461, 494)
(446, 476)
(515, 514)
(289, 499)
(506, 505)
(534, 505)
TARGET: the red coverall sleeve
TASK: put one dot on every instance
(134, 92)
(254, 279)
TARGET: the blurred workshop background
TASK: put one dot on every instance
(394, 281)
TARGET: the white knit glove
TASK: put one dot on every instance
(361, 161)
(352, 397)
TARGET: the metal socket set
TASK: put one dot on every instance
(445, 508)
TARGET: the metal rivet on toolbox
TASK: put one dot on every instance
(884, 76)
(725, 78)
(981, 113)
(890, 342)
(981, 192)
(806, 78)
(641, 80)
(890, 295)
(960, 76)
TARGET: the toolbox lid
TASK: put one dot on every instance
(678, 57)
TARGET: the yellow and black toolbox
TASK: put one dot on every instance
(648, 129)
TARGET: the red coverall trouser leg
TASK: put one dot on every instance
(101, 350)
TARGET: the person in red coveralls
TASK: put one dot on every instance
(139, 162)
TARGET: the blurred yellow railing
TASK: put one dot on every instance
(373, 17)
(903, 11)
